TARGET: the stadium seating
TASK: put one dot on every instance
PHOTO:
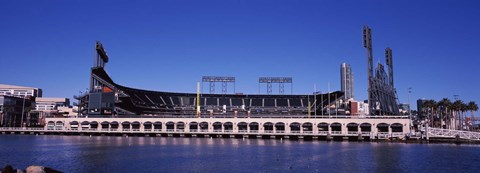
(142, 102)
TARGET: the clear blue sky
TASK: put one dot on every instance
(169, 45)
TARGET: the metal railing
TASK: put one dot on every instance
(447, 133)
(381, 135)
(257, 116)
(336, 132)
(352, 132)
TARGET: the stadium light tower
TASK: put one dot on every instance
(281, 83)
(367, 43)
(223, 79)
(382, 96)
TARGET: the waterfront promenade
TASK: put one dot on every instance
(339, 128)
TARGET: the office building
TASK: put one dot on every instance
(11, 109)
(346, 78)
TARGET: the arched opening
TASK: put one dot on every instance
(157, 126)
(228, 126)
(268, 127)
(365, 128)
(382, 127)
(73, 125)
(51, 125)
(136, 126)
(397, 128)
(217, 127)
(322, 128)
(85, 125)
(147, 126)
(105, 125)
(336, 128)
(59, 125)
(170, 126)
(193, 126)
(180, 126)
(204, 127)
(242, 127)
(114, 125)
(280, 127)
(126, 126)
(352, 128)
(295, 127)
(307, 127)
(253, 127)
(94, 124)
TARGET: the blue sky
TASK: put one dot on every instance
(169, 45)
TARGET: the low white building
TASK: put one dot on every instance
(358, 108)
(20, 90)
(50, 103)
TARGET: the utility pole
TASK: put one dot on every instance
(198, 113)
(309, 107)
(328, 99)
(321, 98)
(315, 98)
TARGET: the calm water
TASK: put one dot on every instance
(161, 154)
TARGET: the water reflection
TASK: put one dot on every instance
(168, 154)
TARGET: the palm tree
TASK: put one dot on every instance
(430, 105)
(434, 113)
(457, 106)
(444, 105)
(451, 119)
(472, 107)
(426, 106)
(464, 117)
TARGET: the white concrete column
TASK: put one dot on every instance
(187, 126)
(287, 127)
(164, 126)
(329, 128)
(301, 127)
(358, 129)
(315, 128)
(390, 130)
(260, 127)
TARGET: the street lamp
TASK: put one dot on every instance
(23, 110)
(410, 108)
(456, 116)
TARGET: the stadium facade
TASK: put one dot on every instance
(112, 109)
(107, 98)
